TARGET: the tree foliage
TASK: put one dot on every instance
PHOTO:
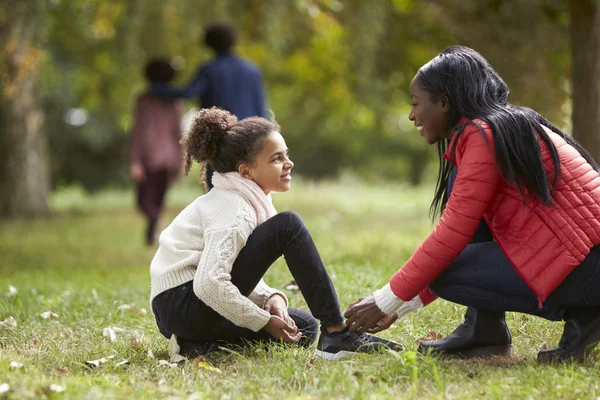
(336, 72)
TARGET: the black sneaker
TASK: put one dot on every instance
(333, 346)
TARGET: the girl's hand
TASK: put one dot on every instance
(276, 306)
(279, 329)
(363, 315)
(137, 172)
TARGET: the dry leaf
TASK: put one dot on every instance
(150, 354)
(201, 362)
(12, 291)
(56, 388)
(60, 371)
(109, 333)
(48, 315)
(292, 286)
(124, 362)
(98, 362)
(430, 336)
(35, 340)
(16, 365)
(132, 308)
(165, 362)
(4, 387)
(9, 322)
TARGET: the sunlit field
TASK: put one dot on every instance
(75, 320)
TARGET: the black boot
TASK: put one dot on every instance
(483, 334)
(580, 335)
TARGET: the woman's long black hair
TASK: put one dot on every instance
(475, 90)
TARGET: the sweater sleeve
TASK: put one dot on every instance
(263, 292)
(473, 190)
(212, 281)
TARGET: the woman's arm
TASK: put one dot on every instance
(473, 191)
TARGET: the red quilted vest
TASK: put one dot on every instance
(544, 244)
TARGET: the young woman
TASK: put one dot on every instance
(538, 193)
(207, 286)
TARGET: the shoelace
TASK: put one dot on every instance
(358, 338)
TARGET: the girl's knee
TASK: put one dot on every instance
(291, 218)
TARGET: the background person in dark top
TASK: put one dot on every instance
(227, 81)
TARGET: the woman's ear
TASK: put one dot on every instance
(244, 171)
(445, 103)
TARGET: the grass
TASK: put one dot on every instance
(87, 264)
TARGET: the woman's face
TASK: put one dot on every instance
(430, 118)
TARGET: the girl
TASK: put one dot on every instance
(538, 192)
(207, 286)
(155, 154)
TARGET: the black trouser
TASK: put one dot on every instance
(198, 327)
(482, 277)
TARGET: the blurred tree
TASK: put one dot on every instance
(585, 50)
(24, 175)
(336, 72)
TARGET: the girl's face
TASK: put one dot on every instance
(271, 167)
(431, 119)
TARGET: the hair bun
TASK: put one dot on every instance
(207, 132)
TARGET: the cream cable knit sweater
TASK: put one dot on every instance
(200, 245)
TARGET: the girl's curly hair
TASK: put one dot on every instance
(217, 137)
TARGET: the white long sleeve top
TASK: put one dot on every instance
(201, 245)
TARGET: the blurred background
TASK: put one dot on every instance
(336, 75)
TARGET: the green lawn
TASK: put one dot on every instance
(87, 264)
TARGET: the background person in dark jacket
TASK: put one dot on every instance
(227, 81)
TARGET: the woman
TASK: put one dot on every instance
(537, 190)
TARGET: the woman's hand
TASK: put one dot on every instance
(276, 305)
(279, 329)
(384, 323)
(363, 315)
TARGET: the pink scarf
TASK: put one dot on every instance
(261, 202)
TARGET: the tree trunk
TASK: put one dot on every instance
(585, 48)
(24, 176)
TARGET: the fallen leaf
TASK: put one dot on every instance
(165, 362)
(16, 365)
(124, 362)
(12, 291)
(48, 315)
(61, 371)
(199, 363)
(9, 322)
(430, 336)
(162, 382)
(35, 340)
(109, 333)
(56, 388)
(98, 362)
(150, 354)
(4, 387)
(292, 286)
(132, 308)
